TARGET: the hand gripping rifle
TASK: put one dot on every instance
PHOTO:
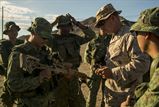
(29, 63)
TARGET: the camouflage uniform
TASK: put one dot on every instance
(68, 47)
(5, 50)
(6, 47)
(27, 86)
(125, 60)
(94, 55)
(149, 22)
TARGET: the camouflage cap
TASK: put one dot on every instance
(9, 25)
(63, 21)
(104, 13)
(41, 27)
(148, 21)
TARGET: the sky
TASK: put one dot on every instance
(24, 11)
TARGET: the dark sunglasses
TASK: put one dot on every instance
(101, 23)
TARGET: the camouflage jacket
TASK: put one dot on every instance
(16, 74)
(150, 96)
(128, 64)
(68, 46)
(96, 50)
(19, 80)
(5, 50)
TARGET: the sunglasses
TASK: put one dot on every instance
(101, 23)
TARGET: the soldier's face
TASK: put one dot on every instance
(39, 41)
(13, 33)
(143, 41)
(108, 27)
(64, 30)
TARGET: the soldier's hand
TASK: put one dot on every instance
(69, 74)
(45, 75)
(104, 72)
(55, 21)
(72, 19)
(126, 102)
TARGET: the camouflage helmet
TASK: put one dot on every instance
(148, 21)
(9, 25)
(63, 21)
(41, 27)
(104, 12)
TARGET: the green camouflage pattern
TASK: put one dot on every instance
(96, 50)
(26, 86)
(148, 21)
(95, 54)
(41, 27)
(151, 96)
(5, 50)
(68, 47)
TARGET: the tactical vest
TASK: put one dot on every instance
(68, 48)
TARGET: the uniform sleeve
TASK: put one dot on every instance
(151, 97)
(89, 34)
(138, 64)
(16, 80)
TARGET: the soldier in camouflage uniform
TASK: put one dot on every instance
(11, 30)
(125, 63)
(147, 29)
(32, 88)
(68, 46)
(94, 55)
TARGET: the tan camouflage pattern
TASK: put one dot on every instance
(128, 65)
(104, 12)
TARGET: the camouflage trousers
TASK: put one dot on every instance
(94, 86)
(68, 93)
